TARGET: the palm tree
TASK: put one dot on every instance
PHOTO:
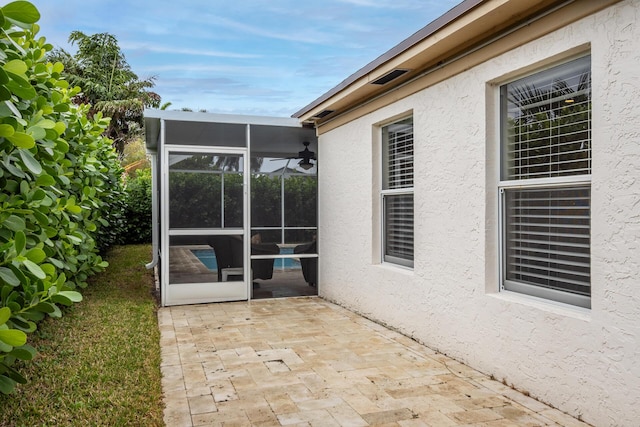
(108, 84)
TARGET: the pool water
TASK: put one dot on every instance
(208, 258)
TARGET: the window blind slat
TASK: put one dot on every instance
(556, 243)
(547, 230)
(567, 226)
(558, 282)
(557, 261)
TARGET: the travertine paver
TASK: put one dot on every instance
(307, 362)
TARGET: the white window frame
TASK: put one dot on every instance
(388, 193)
(578, 181)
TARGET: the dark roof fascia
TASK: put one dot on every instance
(425, 32)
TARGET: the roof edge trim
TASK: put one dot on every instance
(431, 28)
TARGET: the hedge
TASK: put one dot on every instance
(62, 197)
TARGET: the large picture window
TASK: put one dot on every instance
(545, 183)
(397, 192)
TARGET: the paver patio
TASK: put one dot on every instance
(308, 362)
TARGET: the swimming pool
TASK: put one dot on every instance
(208, 258)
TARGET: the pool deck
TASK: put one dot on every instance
(308, 362)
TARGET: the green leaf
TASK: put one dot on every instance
(36, 255)
(11, 186)
(56, 313)
(23, 325)
(33, 314)
(74, 209)
(74, 239)
(48, 269)
(21, 11)
(38, 195)
(37, 132)
(19, 274)
(15, 66)
(5, 314)
(14, 223)
(56, 262)
(46, 124)
(13, 337)
(60, 128)
(25, 352)
(34, 269)
(24, 187)
(30, 162)
(14, 375)
(45, 180)
(14, 170)
(20, 241)
(45, 307)
(6, 130)
(8, 104)
(71, 295)
(58, 67)
(7, 385)
(18, 80)
(8, 276)
(61, 299)
(5, 94)
(21, 87)
(22, 140)
(61, 108)
(41, 218)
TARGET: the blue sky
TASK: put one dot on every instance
(243, 56)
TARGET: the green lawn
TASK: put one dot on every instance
(100, 363)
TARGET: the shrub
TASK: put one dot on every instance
(61, 191)
(137, 213)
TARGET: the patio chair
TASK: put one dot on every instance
(229, 254)
(309, 265)
(263, 268)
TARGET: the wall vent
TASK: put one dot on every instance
(392, 75)
(323, 114)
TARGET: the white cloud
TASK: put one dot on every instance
(186, 51)
(304, 34)
(246, 56)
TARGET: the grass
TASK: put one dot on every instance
(100, 364)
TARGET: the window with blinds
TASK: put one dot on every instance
(545, 183)
(397, 192)
(547, 123)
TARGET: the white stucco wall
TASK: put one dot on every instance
(585, 362)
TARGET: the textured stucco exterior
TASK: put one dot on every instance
(584, 362)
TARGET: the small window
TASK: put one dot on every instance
(397, 192)
(545, 183)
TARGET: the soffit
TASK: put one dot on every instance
(468, 25)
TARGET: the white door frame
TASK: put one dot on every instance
(194, 293)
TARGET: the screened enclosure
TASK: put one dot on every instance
(235, 206)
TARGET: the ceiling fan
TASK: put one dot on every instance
(305, 157)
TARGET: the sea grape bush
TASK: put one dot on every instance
(61, 195)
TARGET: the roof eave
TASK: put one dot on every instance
(463, 28)
(417, 37)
